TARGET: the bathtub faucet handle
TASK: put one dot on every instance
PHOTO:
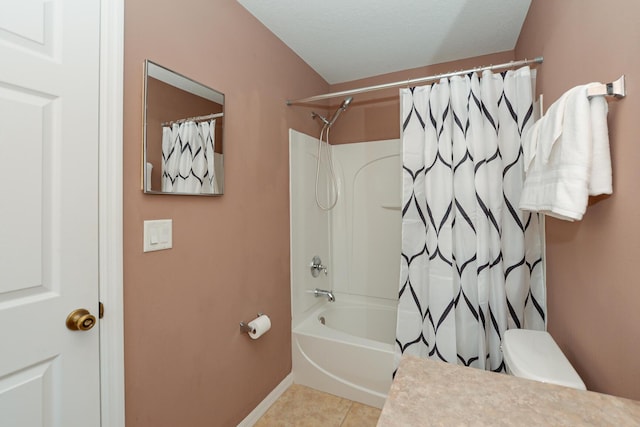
(316, 267)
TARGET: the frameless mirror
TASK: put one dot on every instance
(183, 135)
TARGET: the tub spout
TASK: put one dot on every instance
(321, 292)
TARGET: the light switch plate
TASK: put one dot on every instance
(158, 235)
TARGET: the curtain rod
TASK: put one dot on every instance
(412, 82)
(194, 119)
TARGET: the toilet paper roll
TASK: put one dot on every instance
(259, 326)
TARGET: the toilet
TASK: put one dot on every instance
(536, 356)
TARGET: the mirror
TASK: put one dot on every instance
(183, 135)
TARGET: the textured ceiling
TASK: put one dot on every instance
(345, 40)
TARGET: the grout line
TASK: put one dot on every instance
(346, 414)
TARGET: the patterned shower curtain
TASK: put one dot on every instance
(471, 260)
(188, 158)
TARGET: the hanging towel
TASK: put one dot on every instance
(567, 156)
(545, 131)
(601, 180)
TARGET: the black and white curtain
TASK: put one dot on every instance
(471, 260)
(188, 158)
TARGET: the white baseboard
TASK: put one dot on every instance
(260, 410)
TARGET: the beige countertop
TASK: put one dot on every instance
(430, 393)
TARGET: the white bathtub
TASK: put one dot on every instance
(351, 355)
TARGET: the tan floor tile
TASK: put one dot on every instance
(301, 406)
(361, 416)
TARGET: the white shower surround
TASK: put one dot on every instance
(359, 242)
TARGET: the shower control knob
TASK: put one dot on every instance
(316, 267)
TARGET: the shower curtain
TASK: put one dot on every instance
(471, 260)
(188, 158)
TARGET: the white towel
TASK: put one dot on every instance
(567, 156)
(545, 131)
(601, 181)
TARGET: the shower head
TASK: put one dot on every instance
(340, 109)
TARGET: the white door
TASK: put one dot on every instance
(49, 52)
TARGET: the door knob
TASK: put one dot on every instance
(80, 320)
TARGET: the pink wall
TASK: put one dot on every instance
(593, 291)
(186, 362)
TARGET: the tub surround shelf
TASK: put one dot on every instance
(431, 393)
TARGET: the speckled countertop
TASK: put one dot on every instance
(431, 393)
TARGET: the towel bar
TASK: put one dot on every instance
(616, 89)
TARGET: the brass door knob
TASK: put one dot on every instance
(80, 320)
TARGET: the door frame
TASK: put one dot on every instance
(110, 213)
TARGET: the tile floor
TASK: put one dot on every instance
(301, 406)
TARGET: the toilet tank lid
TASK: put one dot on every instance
(536, 356)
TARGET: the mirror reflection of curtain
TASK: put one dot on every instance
(188, 158)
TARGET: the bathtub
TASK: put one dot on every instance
(346, 348)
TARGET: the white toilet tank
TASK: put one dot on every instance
(536, 356)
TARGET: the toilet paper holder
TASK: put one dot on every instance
(244, 326)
